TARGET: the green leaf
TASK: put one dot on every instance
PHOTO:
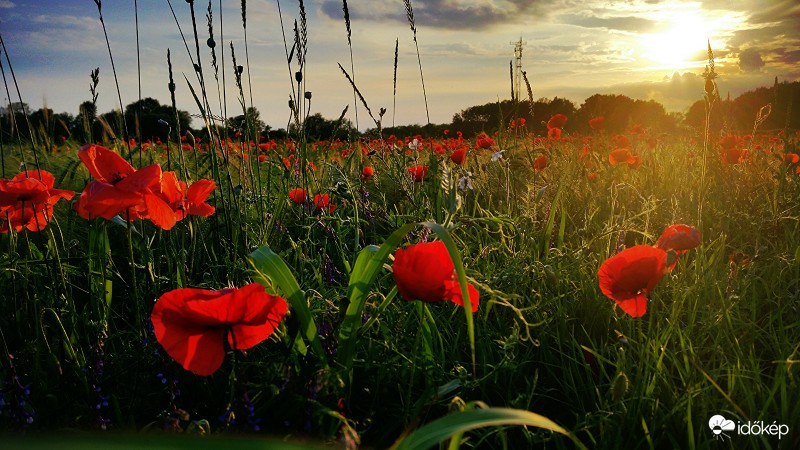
(196, 99)
(455, 255)
(365, 270)
(442, 429)
(271, 271)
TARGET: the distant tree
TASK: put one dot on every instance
(249, 122)
(490, 117)
(149, 115)
(487, 117)
(83, 123)
(18, 108)
(320, 128)
(621, 112)
(738, 116)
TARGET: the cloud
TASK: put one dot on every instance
(447, 14)
(785, 56)
(66, 21)
(627, 23)
(750, 60)
(6, 4)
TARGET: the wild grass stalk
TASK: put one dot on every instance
(710, 97)
(530, 93)
(394, 80)
(410, 17)
(247, 55)
(364, 101)
(138, 76)
(350, 47)
(511, 75)
(12, 114)
(124, 133)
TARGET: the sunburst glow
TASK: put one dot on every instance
(683, 34)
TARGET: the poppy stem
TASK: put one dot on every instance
(232, 377)
(139, 320)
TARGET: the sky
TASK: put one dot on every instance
(645, 49)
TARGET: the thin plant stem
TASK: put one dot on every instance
(99, 4)
(139, 78)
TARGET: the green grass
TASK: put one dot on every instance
(718, 338)
(547, 360)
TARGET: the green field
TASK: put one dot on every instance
(355, 358)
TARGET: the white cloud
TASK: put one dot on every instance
(6, 4)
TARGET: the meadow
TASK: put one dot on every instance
(401, 291)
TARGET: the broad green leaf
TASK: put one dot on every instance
(455, 255)
(442, 429)
(271, 271)
(365, 270)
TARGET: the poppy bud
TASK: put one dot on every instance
(620, 386)
(307, 95)
(298, 76)
(239, 69)
(210, 43)
(550, 277)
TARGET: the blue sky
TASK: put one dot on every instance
(646, 49)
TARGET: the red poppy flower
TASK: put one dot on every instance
(185, 201)
(630, 275)
(27, 200)
(540, 163)
(425, 272)
(557, 121)
(483, 141)
(597, 123)
(791, 158)
(733, 155)
(554, 134)
(459, 156)
(117, 188)
(620, 141)
(729, 142)
(191, 324)
(623, 155)
(323, 202)
(367, 172)
(417, 173)
(298, 195)
(679, 238)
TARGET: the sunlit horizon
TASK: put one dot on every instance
(572, 51)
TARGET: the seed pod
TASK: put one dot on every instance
(620, 386)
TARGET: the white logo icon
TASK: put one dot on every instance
(719, 425)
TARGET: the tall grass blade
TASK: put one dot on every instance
(271, 271)
(442, 429)
(365, 270)
(455, 255)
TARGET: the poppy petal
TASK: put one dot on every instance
(635, 307)
(104, 164)
(104, 200)
(453, 293)
(145, 178)
(159, 212)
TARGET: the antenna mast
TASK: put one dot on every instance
(518, 66)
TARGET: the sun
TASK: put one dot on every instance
(679, 41)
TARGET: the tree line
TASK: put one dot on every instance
(148, 119)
